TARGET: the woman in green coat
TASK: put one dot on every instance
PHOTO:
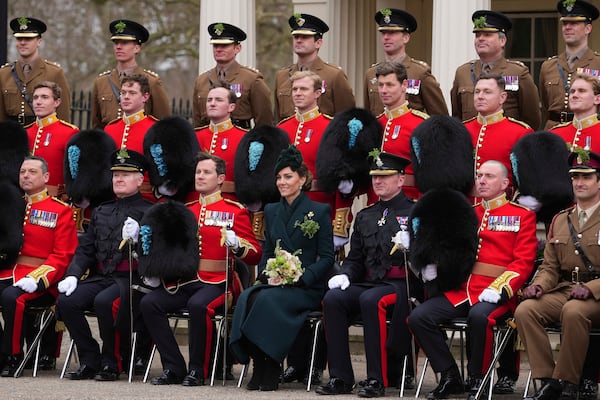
(269, 316)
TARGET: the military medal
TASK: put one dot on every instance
(396, 132)
(512, 83)
(224, 144)
(323, 86)
(589, 71)
(308, 135)
(414, 86)
(382, 221)
(47, 140)
(237, 89)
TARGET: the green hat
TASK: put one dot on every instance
(290, 157)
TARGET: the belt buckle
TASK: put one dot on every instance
(575, 276)
(564, 116)
(21, 118)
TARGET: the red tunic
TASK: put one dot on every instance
(48, 139)
(581, 133)
(507, 245)
(398, 124)
(214, 212)
(222, 140)
(493, 137)
(305, 132)
(128, 132)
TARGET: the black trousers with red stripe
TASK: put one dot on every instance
(201, 300)
(368, 304)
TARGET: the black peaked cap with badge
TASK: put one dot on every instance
(222, 33)
(306, 24)
(388, 164)
(577, 11)
(490, 21)
(124, 29)
(128, 161)
(27, 27)
(393, 19)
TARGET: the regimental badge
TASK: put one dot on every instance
(375, 155)
(480, 22)
(237, 89)
(23, 23)
(504, 223)
(386, 12)
(414, 86)
(120, 27)
(323, 86)
(47, 219)
(589, 71)
(122, 155)
(218, 29)
(569, 4)
(511, 83)
(299, 20)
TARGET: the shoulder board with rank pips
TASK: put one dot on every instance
(6, 65)
(255, 70)
(517, 62)
(52, 63)
(105, 73)
(154, 74)
(422, 63)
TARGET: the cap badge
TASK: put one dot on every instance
(375, 154)
(299, 20)
(23, 23)
(120, 27)
(480, 22)
(569, 4)
(583, 156)
(219, 29)
(386, 12)
(122, 155)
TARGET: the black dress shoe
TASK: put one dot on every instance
(475, 384)
(258, 370)
(107, 374)
(168, 377)
(47, 363)
(84, 372)
(569, 391)
(335, 386)
(270, 378)
(11, 365)
(450, 383)
(193, 378)
(373, 388)
(139, 367)
(292, 374)
(551, 390)
(588, 389)
(317, 374)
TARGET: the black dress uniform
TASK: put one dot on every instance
(103, 270)
(378, 281)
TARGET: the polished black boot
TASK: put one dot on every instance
(270, 378)
(258, 370)
(450, 383)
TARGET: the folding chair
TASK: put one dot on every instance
(45, 315)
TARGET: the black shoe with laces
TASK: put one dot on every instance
(588, 389)
(107, 374)
(193, 378)
(335, 386)
(505, 385)
(373, 388)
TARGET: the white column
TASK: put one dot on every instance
(240, 13)
(452, 36)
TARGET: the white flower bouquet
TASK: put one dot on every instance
(284, 268)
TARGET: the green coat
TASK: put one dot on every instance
(277, 313)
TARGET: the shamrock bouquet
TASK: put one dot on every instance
(285, 268)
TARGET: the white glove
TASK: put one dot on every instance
(429, 273)
(339, 242)
(402, 239)
(530, 202)
(131, 230)
(67, 285)
(339, 281)
(151, 281)
(489, 296)
(345, 186)
(27, 284)
(231, 240)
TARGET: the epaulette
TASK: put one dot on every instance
(52, 63)
(202, 127)
(380, 115)
(420, 114)
(374, 65)
(327, 116)
(233, 202)
(519, 63)
(152, 117)
(516, 121)
(332, 65)
(241, 128)
(550, 58)
(422, 63)
(113, 121)
(154, 74)
(469, 120)
(255, 70)
(60, 201)
(28, 125)
(566, 210)
(520, 205)
(561, 125)
(70, 125)
(190, 203)
(287, 118)
(105, 73)
(6, 65)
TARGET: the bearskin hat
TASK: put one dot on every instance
(12, 212)
(14, 147)
(88, 179)
(171, 147)
(168, 242)
(443, 228)
(441, 152)
(255, 160)
(541, 169)
(344, 149)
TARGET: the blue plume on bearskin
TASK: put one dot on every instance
(88, 179)
(170, 145)
(541, 169)
(169, 242)
(12, 212)
(14, 147)
(443, 231)
(441, 153)
(255, 160)
(344, 149)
